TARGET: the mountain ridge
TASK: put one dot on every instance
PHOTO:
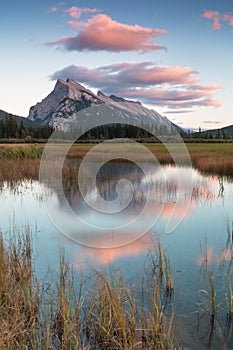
(69, 97)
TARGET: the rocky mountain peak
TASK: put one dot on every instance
(68, 98)
(73, 89)
(67, 93)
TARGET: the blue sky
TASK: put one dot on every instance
(174, 56)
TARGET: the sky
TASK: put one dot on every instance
(175, 56)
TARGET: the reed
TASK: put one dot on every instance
(229, 302)
(158, 266)
(207, 298)
(212, 295)
(19, 294)
(66, 315)
(14, 171)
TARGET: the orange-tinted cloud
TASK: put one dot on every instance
(217, 17)
(101, 32)
(77, 12)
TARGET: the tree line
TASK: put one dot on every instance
(10, 127)
(116, 130)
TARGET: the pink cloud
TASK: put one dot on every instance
(167, 86)
(212, 103)
(146, 73)
(53, 9)
(174, 98)
(207, 87)
(168, 74)
(56, 7)
(166, 94)
(228, 17)
(101, 32)
(77, 12)
(215, 15)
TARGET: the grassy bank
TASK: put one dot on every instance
(22, 161)
(66, 315)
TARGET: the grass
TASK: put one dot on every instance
(211, 301)
(20, 152)
(19, 162)
(68, 315)
(23, 161)
(229, 301)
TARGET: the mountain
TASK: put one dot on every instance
(227, 130)
(26, 122)
(69, 97)
(222, 133)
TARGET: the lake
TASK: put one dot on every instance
(190, 214)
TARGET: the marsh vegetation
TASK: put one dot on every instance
(159, 292)
(108, 313)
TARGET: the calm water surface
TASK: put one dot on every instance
(200, 212)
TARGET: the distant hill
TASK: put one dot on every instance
(228, 130)
(15, 127)
(222, 133)
(26, 122)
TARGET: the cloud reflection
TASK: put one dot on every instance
(102, 256)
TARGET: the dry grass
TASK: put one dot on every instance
(23, 162)
(17, 170)
(105, 315)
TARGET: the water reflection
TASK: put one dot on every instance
(105, 256)
(168, 194)
(203, 203)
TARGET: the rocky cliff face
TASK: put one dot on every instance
(69, 97)
(66, 98)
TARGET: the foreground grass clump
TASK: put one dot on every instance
(19, 295)
(19, 162)
(21, 152)
(109, 314)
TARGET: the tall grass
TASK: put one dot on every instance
(19, 162)
(21, 152)
(229, 301)
(214, 158)
(68, 315)
(19, 295)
